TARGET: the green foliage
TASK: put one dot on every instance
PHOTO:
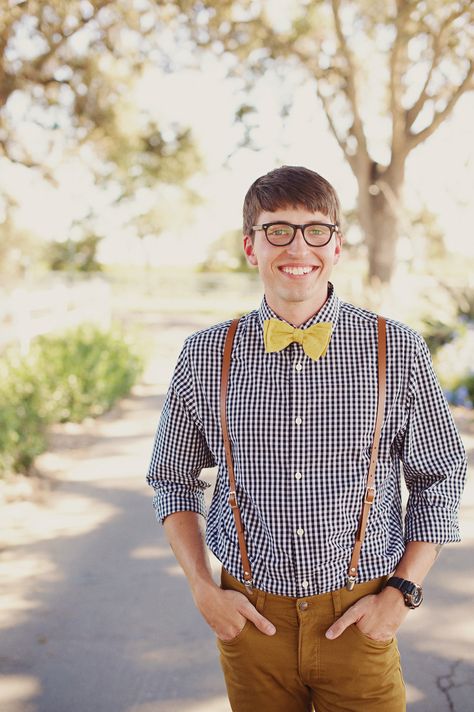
(80, 373)
(438, 334)
(84, 371)
(453, 365)
(465, 303)
(226, 254)
(75, 255)
(90, 85)
(22, 426)
(452, 346)
(19, 248)
(78, 70)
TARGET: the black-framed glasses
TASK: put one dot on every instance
(316, 234)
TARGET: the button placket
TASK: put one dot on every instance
(298, 439)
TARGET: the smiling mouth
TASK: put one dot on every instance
(298, 272)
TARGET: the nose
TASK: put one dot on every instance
(298, 244)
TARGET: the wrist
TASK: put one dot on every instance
(201, 588)
(393, 596)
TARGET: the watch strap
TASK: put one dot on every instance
(407, 589)
(399, 583)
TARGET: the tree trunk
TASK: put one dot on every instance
(380, 208)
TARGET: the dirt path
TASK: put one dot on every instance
(95, 613)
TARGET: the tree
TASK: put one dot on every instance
(69, 71)
(413, 58)
(226, 255)
(18, 248)
(74, 255)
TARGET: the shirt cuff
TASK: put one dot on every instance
(165, 503)
(436, 526)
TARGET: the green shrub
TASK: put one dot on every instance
(84, 371)
(453, 365)
(79, 373)
(22, 427)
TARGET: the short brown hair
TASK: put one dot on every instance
(290, 186)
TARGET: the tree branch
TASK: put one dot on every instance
(26, 161)
(326, 106)
(395, 80)
(38, 64)
(413, 112)
(319, 75)
(7, 80)
(350, 87)
(440, 116)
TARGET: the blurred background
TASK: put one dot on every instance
(130, 131)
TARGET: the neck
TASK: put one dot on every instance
(297, 313)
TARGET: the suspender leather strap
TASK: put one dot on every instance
(228, 454)
(370, 487)
(369, 494)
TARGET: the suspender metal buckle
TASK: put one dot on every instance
(233, 499)
(350, 582)
(249, 585)
(369, 495)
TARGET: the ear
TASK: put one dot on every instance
(249, 251)
(338, 248)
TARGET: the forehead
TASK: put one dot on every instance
(293, 214)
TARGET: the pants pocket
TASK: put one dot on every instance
(237, 637)
(370, 641)
(256, 598)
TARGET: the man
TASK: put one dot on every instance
(301, 426)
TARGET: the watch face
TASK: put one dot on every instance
(415, 596)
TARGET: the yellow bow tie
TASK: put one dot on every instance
(278, 334)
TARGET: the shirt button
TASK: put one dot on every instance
(298, 475)
(305, 584)
(298, 367)
(300, 532)
(298, 420)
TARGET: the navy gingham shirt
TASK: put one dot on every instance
(301, 433)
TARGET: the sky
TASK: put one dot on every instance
(440, 172)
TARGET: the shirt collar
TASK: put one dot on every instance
(328, 312)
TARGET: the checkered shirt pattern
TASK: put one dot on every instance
(301, 433)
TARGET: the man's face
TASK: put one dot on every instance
(281, 288)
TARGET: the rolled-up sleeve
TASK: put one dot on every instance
(180, 451)
(433, 457)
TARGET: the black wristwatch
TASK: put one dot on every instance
(412, 594)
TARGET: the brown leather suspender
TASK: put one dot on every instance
(369, 494)
(370, 488)
(228, 454)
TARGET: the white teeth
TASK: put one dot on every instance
(297, 270)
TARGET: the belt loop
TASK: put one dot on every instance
(336, 600)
